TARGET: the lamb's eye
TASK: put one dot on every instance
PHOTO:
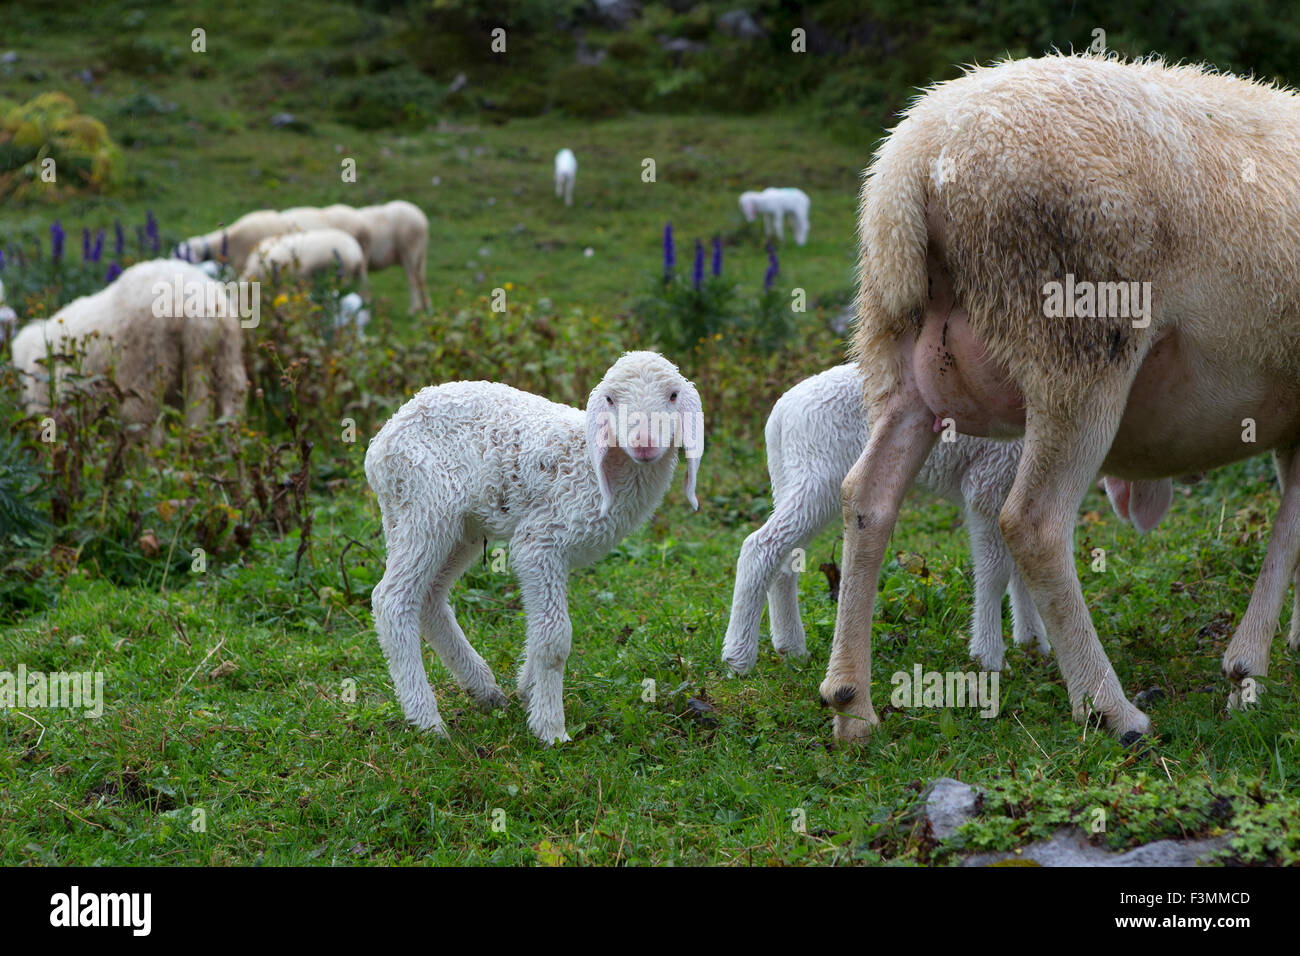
(672, 397)
(609, 400)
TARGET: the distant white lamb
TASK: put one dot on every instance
(306, 253)
(165, 330)
(566, 173)
(775, 205)
(468, 462)
(399, 233)
(814, 434)
(338, 216)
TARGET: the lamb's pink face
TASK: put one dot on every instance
(644, 416)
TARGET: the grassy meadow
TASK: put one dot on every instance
(248, 714)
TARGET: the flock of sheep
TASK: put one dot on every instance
(993, 186)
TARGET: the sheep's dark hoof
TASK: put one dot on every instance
(1132, 739)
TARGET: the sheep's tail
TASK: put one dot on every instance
(892, 235)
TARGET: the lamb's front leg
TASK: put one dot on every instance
(872, 494)
(1247, 653)
(992, 562)
(543, 582)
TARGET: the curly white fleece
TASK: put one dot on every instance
(466, 462)
(814, 434)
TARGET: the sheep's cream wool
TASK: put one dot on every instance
(468, 462)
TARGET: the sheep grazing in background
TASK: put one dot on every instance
(468, 462)
(1167, 200)
(307, 253)
(163, 329)
(236, 242)
(775, 205)
(814, 435)
(338, 216)
(566, 174)
(399, 233)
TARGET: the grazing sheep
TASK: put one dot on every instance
(775, 205)
(1176, 186)
(566, 173)
(399, 232)
(166, 331)
(466, 462)
(306, 253)
(235, 242)
(814, 435)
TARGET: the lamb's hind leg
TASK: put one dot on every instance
(396, 602)
(442, 631)
(1061, 455)
(992, 562)
(900, 441)
(1247, 653)
(1027, 625)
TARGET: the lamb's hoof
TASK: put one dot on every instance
(854, 728)
(740, 660)
(794, 652)
(491, 699)
(551, 738)
(990, 662)
(1244, 694)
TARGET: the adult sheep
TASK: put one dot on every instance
(236, 242)
(999, 190)
(399, 233)
(164, 330)
(337, 216)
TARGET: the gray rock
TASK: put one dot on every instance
(948, 804)
(740, 24)
(1071, 847)
(681, 45)
(617, 12)
(458, 83)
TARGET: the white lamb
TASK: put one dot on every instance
(306, 253)
(165, 330)
(566, 174)
(814, 434)
(466, 462)
(775, 205)
(338, 216)
(399, 233)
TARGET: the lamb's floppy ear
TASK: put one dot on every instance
(600, 436)
(691, 425)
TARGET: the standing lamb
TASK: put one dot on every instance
(338, 216)
(163, 329)
(814, 435)
(306, 253)
(1167, 199)
(775, 205)
(399, 232)
(461, 463)
(566, 174)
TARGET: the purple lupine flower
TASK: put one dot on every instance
(114, 270)
(85, 244)
(119, 238)
(772, 269)
(56, 241)
(669, 259)
(2, 260)
(717, 257)
(97, 248)
(697, 269)
(151, 230)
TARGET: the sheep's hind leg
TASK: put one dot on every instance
(396, 602)
(871, 496)
(1027, 626)
(1247, 653)
(1061, 455)
(443, 633)
(543, 583)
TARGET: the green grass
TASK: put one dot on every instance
(231, 692)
